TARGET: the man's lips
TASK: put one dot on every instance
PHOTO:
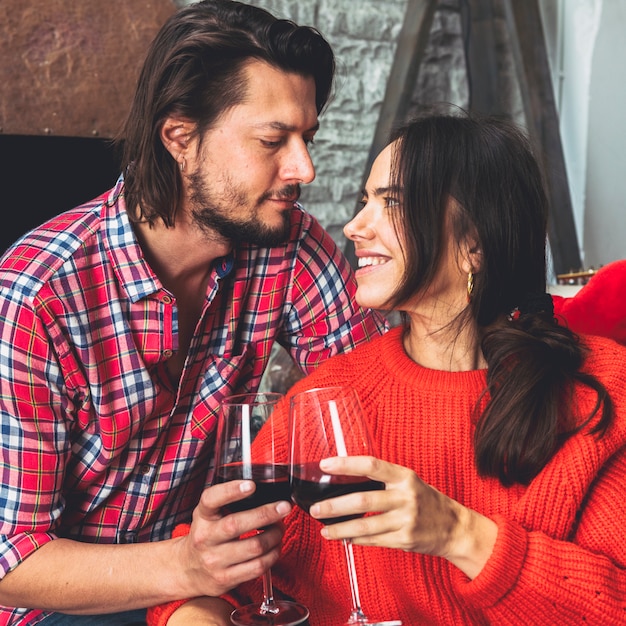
(292, 200)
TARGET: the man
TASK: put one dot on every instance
(126, 321)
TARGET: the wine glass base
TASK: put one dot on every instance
(286, 614)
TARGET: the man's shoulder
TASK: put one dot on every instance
(39, 254)
(352, 362)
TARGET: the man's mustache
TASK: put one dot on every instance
(290, 192)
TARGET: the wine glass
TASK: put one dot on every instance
(326, 422)
(242, 416)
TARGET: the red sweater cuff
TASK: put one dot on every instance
(501, 570)
(159, 615)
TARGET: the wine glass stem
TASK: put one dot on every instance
(356, 615)
(268, 606)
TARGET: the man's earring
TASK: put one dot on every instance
(181, 164)
(470, 285)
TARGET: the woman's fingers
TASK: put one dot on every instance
(408, 515)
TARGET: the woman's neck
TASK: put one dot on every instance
(454, 347)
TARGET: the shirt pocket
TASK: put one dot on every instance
(224, 377)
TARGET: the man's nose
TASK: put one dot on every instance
(299, 166)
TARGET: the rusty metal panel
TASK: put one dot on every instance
(69, 68)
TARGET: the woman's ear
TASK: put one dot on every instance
(176, 134)
(472, 255)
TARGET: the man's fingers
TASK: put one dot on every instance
(216, 497)
(214, 525)
(243, 570)
(219, 568)
(238, 524)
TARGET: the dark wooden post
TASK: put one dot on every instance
(531, 58)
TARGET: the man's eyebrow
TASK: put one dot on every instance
(285, 127)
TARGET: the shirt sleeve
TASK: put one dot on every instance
(325, 319)
(34, 440)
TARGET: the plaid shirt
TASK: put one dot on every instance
(96, 445)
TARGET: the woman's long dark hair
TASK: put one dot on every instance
(194, 69)
(487, 166)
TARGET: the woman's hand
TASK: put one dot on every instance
(411, 515)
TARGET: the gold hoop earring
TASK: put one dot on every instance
(470, 285)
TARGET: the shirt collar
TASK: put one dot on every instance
(133, 272)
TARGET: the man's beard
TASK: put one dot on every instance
(208, 214)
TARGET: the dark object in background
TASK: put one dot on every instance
(43, 176)
(68, 72)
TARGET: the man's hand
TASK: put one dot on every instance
(222, 551)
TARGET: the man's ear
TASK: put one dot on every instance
(176, 134)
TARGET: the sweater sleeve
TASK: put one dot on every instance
(533, 578)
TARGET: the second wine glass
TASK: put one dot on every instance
(327, 422)
(242, 418)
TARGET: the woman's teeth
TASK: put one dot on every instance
(366, 261)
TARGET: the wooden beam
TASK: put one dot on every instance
(485, 90)
(531, 60)
(412, 42)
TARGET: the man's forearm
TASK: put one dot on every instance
(81, 578)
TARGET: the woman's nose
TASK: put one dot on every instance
(357, 227)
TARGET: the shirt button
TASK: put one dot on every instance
(144, 469)
(166, 300)
(167, 354)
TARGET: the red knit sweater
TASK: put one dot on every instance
(560, 554)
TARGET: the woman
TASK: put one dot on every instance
(502, 435)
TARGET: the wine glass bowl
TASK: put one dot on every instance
(242, 418)
(327, 422)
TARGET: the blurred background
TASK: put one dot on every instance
(67, 71)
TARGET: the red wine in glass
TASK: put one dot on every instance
(272, 483)
(242, 418)
(310, 485)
